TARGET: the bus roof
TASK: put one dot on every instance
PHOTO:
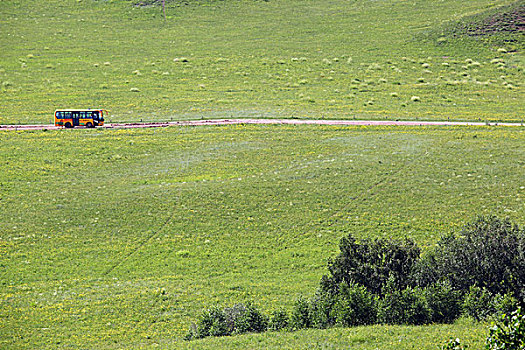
(80, 110)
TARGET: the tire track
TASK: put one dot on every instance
(139, 246)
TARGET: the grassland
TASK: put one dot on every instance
(118, 238)
(302, 59)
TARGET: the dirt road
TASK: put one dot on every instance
(265, 121)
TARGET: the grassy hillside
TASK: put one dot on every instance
(118, 238)
(306, 59)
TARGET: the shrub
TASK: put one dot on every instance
(212, 323)
(509, 335)
(234, 320)
(320, 310)
(504, 304)
(478, 303)
(489, 253)
(278, 320)
(407, 306)
(300, 317)
(355, 306)
(245, 318)
(444, 302)
(370, 263)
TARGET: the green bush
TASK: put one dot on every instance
(238, 319)
(320, 310)
(212, 323)
(245, 318)
(370, 263)
(509, 334)
(300, 317)
(478, 303)
(407, 306)
(444, 302)
(504, 304)
(279, 320)
(489, 253)
(355, 306)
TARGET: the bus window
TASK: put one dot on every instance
(94, 114)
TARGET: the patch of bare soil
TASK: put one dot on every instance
(509, 20)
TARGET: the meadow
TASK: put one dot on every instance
(119, 238)
(295, 59)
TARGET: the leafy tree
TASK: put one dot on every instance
(371, 263)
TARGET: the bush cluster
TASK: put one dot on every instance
(241, 318)
(479, 273)
(489, 253)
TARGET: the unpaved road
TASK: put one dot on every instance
(264, 121)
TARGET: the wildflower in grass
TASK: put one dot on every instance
(136, 72)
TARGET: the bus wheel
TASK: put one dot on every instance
(89, 125)
(68, 125)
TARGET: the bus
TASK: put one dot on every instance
(89, 118)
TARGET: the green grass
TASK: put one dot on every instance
(119, 238)
(96, 224)
(254, 59)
